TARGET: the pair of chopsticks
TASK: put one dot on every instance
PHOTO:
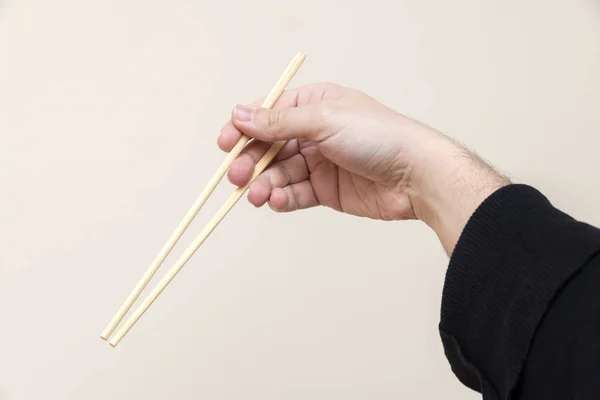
(269, 102)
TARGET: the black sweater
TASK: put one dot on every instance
(521, 304)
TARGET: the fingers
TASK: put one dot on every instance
(298, 113)
(307, 119)
(279, 124)
(242, 168)
(293, 197)
(279, 175)
(282, 123)
(230, 135)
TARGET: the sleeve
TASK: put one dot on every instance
(512, 266)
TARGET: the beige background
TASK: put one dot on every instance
(109, 111)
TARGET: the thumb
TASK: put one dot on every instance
(271, 125)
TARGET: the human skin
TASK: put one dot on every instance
(348, 152)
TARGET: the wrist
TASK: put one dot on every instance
(449, 184)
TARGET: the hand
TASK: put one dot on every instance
(350, 153)
(345, 151)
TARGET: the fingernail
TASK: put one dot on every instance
(243, 113)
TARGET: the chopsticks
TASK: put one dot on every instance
(270, 100)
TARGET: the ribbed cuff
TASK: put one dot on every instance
(513, 257)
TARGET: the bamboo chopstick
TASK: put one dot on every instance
(271, 99)
(189, 252)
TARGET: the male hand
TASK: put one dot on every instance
(348, 152)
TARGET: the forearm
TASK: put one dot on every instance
(515, 309)
(449, 187)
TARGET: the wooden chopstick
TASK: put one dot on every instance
(270, 100)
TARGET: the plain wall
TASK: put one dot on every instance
(109, 113)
